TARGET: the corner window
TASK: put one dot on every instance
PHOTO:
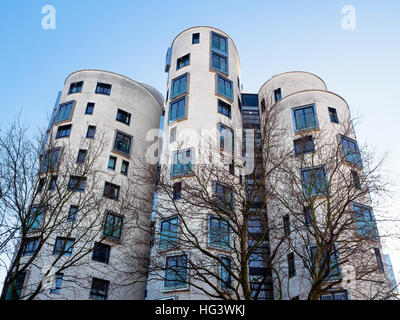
(176, 272)
(305, 118)
(277, 94)
(77, 183)
(63, 131)
(103, 88)
(195, 38)
(314, 182)
(113, 226)
(304, 145)
(219, 62)
(219, 234)
(99, 289)
(124, 117)
(333, 115)
(224, 87)
(182, 163)
(350, 151)
(224, 108)
(122, 143)
(75, 87)
(91, 131)
(64, 246)
(183, 61)
(111, 191)
(179, 86)
(177, 109)
(169, 233)
(64, 112)
(101, 252)
(89, 108)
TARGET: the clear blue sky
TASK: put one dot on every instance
(131, 38)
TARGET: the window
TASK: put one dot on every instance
(72, 213)
(113, 226)
(224, 87)
(176, 272)
(172, 135)
(75, 87)
(179, 86)
(169, 233)
(64, 246)
(308, 216)
(341, 295)
(263, 105)
(89, 108)
(177, 191)
(291, 265)
(101, 252)
(122, 143)
(224, 197)
(330, 260)
(226, 138)
(112, 162)
(81, 156)
(350, 151)
(64, 112)
(365, 221)
(18, 285)
(63, 131)
(226, 278)
(182, 162)
(52, 183)
(305, 118)
(304, 145)
(124, 167)
(91, 131)
(333, 115)
(379, 260)
(124, 117)
(219, 43)
(30, 246)
(356, 179)
(103, 88)
(77, 183)
(50, 160)
(177, 109)
(99, 289)
(219, 62)
(286, 225)
(195, 38)
(111, 191)
(224, 108)
(41, 183)
(183, 61)
(219, 233)
(314, 182)
(277, 94)
(57, 284)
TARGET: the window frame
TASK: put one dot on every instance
(174, 96)
(72, 103)
(318, 193)
(174, 102)
(114, 224)
(59, 128)
(92, 105)
(220, 243)
(115, 186)
(175, 155)
(95, 257)
(220, 56)
(333, 113)
(185, 58)
(102, 86)
(66, 249)
(90, 129)
(125, 135)
(316, 122)
(197, 38)
(226, 106)
(75, 83)
(75, 187)
(124, 114)
(95, 295)
(277, 94)
(59, 277)
(185, 285)
(301, 146)
(172, 236)
(220, 94)
(348, 140)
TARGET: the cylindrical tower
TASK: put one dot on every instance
(100, 125)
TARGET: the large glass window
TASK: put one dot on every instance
(177, 109)
(113, 226)
(305, 118)
(64, 112)
(219, 233)
(219, 43)
(182, 163)
(226, 278)
(219, 62)
(315, 182)
(169, 233)
(365, 221)
(64, 246)
(351, 151)
(224, 87)
(179, 86)
(122, 143)
(99, 289)
(176, 272)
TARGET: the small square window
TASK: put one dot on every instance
(124, 167)
(77, 184)
(91, 131)
(195, 38)
(304, 145)
(305, 118)
(103, 88)
(75, 87)
(81, 156)
(333, 115)
(64, 246)
(111, 191)
(124, 117)
(30, 246)
(112, 162)
(122, 143)
(99, 289)
(101, 252)
(63, 131)
(113, 226)
(72, 214)
(89, 108)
